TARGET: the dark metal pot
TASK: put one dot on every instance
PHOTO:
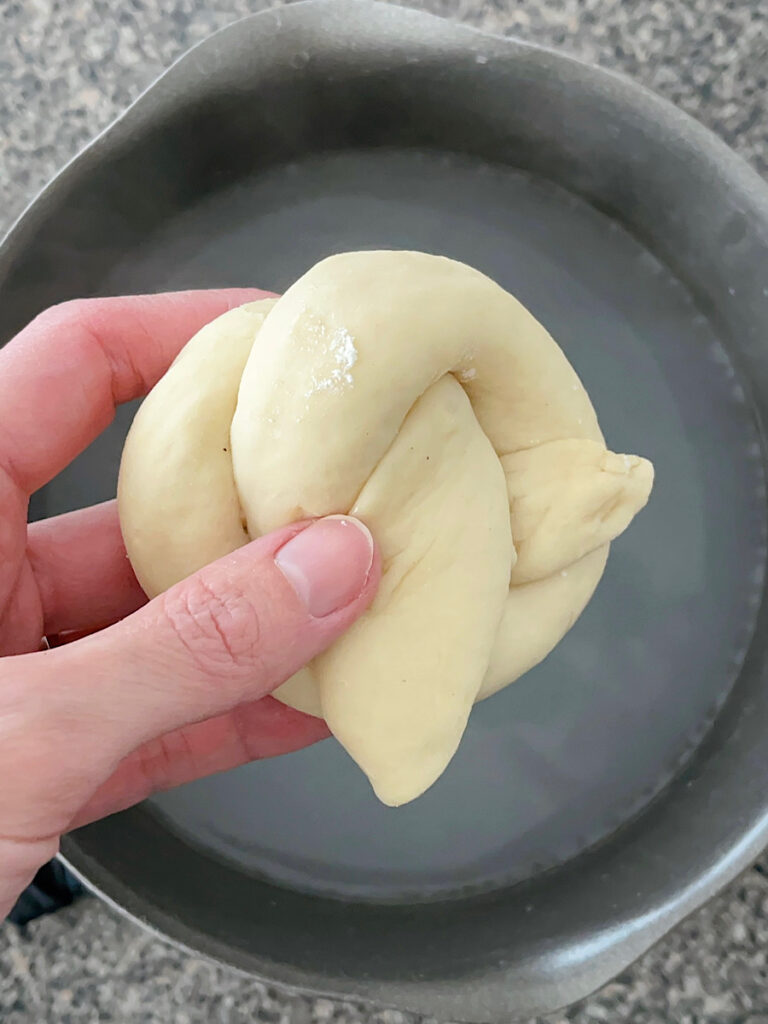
(620, 785)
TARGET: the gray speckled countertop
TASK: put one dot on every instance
(66, 68)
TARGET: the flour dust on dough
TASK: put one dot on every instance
(413, 392)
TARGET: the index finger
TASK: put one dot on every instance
(62, 377)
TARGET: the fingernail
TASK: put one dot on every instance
(328, 563)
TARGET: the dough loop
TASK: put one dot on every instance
(413, 392)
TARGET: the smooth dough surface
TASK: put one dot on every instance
(413, 392)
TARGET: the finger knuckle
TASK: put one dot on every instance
(219, 627)
(71, 311)
(163, 759)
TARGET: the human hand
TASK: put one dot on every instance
(170, 690)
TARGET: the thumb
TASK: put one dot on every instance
(228, 634)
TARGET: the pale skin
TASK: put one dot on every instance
(136, 696)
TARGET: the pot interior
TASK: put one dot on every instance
(571, 751)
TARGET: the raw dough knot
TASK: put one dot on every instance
(413, 392)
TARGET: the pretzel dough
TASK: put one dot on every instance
(413, 392)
